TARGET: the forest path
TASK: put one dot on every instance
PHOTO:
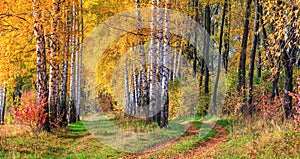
(201, 150)
(205, 149)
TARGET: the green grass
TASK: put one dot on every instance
(260, 138)
(75, 143)
(188, 143)
(132, 137)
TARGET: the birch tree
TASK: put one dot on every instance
(166, 66)
(72, 108)
(144, 85)
(153, 61)
(135, 90)
(80, 39)
(160, 59)
(2, 104)
(54, 63)
(127, 92)
(40, 58)
(65, 67)
(78, 56)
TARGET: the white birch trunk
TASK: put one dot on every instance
(2, 105)
(127, 93)
(79, 63)
(145, 90)
(65, 66)
(160, 58)
(153, 61)
(175, 65)
(135, 88)
(42, 88)
(166, 66)
(72, 109)
(54, 64)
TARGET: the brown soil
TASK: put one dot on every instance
(202, 150)
(205, 149)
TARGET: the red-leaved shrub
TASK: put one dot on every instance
(31, 111)
(269, 108)
(296, 108)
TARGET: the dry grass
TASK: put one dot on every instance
(14, 130)
(259, 138)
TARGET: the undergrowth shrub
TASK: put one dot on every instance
(296, 107)
(270, 109)
(30, 112)
(133, 124)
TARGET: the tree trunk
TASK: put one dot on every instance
(139, 93)
(289, 59)
(227, 39)
(160, 60)
(242, 64)
(252, 56)
(127, 92)
(79, 60)
(219, 59)
(65, 67)
(72, 108)
(259, 64)
(166, 66)
(197, 19)
(206, 48)
(179, 60)
(276, 77)
(135, 91)
(3, 104)
(145, 89)
(263, 32)
(152, 56)
(54, 64)
(42, 89)
(175, 60)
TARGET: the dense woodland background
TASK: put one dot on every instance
(258, 43)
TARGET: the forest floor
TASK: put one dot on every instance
(227, 139)
(201, 149)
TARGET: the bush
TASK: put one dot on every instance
(271, 109)
(296, 108)
(31, 112)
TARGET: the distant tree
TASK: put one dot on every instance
(2, 104)
(141, 49)
(127, 88)
(225, 8)
(227, 38)
(206, 47)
